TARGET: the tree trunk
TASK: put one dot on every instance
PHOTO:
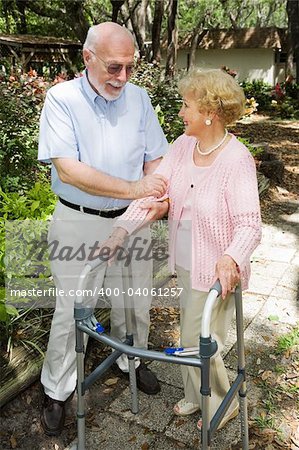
(77, 19)
(290, 58)
(19, 373)
(293, 31)
(135, 17)
(196, 39)
(141, 14)
(21, 23)
(172, 38)
(116, 6)
(5, 8)
(156, 31)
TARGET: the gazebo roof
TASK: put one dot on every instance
(21, 40)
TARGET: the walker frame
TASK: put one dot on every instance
(85, 322)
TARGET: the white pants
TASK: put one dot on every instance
(191, 308)
(74, 231)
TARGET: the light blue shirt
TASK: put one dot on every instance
(115, 137)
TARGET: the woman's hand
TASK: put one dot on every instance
(228, 274)
(108, 248)
(156, 210)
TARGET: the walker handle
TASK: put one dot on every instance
(212, 297)
(217, 286)
(88, 267)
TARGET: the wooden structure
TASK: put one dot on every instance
(255, 53)
(39, 52)
(225, 39)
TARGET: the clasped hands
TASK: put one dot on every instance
(150, 185)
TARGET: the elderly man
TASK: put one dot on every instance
(104, 141)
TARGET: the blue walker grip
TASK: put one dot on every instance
(99, 328)
(172, 350)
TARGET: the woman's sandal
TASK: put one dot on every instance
(184, 408)
(225, 419)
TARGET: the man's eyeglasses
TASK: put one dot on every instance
(113, 68)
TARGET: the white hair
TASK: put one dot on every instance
(96, 33)
(92, 37)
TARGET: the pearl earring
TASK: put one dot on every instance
(208, 122)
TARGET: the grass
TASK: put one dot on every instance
(27, 329)
(264, 421)
(288, 341)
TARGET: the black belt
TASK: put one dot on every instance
(96, 212)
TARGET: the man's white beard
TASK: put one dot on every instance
(101, 90)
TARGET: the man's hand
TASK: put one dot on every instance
(157, 210)
(154, 185)
(228, 274)
(95, 182)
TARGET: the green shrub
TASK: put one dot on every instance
(285, 103)
(261, 92)
(282, 101)
(253, 150)
(164, 96)
(290, 88)
(21, 99)
(169, 102)
(36, 203)
(286, 108)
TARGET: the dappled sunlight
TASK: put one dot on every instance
(282, 139)
(293, 169)
(286, 143)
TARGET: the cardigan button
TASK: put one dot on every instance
(192, 185)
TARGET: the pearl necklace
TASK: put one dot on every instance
(213, 148)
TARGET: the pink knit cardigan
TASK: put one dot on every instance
(225, 215)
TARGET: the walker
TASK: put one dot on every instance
(86, 322)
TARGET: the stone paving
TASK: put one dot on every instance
(270, 309)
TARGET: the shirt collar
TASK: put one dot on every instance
(92, 95)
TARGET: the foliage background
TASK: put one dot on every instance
(56, 17)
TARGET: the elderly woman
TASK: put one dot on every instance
(214, 219)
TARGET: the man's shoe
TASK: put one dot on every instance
(52, 416)
(147, 381)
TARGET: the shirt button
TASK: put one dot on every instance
(192, 185)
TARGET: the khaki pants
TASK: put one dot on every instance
(192, 304)
(74, 230)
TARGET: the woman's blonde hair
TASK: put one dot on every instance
(215, 91)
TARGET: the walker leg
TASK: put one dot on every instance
(80, 379)
(133, 385)
(241, 369)
(129, 308)
(244, 418)
(205, 429)
(131, 359)
(205, 391)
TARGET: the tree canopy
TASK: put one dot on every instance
(151, 21)
(71, 19)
